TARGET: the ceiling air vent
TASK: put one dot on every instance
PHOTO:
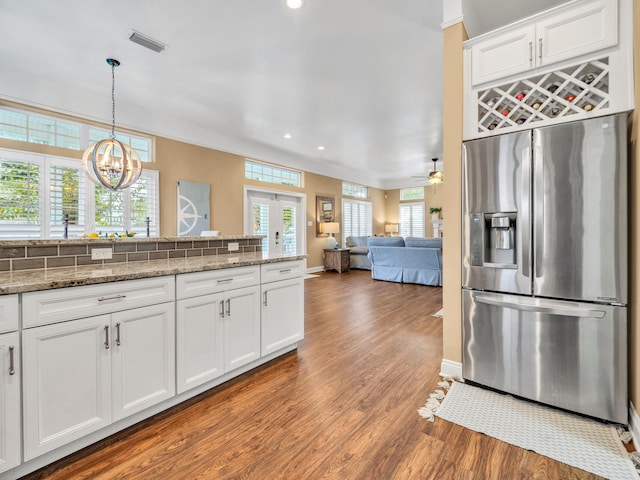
(148, 42)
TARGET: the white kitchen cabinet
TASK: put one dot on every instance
(282, 314)
(241, 327)
(218, 323)
(199, 340)
(142, 358)
(67, 382)
(80, 375)
(563, 33)
(9, 401)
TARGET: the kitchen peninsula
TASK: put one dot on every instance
(92, 347)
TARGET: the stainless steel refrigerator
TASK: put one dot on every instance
(545, 265)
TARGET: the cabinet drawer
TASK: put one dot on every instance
(272, 272)
(59, 305)
(190, 285)
(9, 313)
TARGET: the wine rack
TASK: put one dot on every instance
(553, 95)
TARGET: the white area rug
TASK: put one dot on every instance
(439, 313)
(577, 441)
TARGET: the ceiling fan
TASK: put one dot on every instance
(434, 177)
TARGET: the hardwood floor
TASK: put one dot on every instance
(344, 406)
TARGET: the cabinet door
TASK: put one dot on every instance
(199, 340)
(66, 376)
(241, 327)
(503, 55)
(282, 314)
(143, 358)
(579, 30)
(9, 401)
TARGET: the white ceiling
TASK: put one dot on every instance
(363, 78)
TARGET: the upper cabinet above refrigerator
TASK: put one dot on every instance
(568, 63)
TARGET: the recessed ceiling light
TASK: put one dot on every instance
(287, 136)
(294, 3)
(320, 147)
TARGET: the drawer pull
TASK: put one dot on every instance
(540, 48)
(225, 281)
(286, 270)
(106, 337)
(12, 370)
(530, 52)
(228, 307)
(264, 299)
(118, 334)
(114, 297)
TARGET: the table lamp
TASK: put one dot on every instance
(391, 228)
(332, 228)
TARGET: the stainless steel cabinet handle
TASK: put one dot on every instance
(264, 299)
(286, 270)
(106, 337)
(114, 297)
(225, 280)
(540, 47)
(563, 311)
(222, 308)
(118, 334)
(530, 52)
(12, 370)
(228, 307)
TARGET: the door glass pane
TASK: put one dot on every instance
(289, 229)
(261, 224)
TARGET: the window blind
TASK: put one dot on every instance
(412, 219)
(357, 218)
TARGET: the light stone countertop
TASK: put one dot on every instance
(46, 279)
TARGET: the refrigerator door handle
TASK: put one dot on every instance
(525, 213)
(538, 208)
(526, 307)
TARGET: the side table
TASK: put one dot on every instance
(337, 259)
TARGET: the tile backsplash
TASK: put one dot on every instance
(18, 255)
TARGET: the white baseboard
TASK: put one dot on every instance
(634, 424)
(450, 368)
(315, 269)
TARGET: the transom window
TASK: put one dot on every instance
(355, 190)
(415, 193)
(264, 172)
(38, 191)
(26, 126)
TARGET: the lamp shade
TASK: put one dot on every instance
(391, 228)
(330, 227)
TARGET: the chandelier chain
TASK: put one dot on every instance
(113, 101)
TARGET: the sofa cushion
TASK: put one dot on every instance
(385, 242)
(423, 242)
(359, 250)
(357, 242)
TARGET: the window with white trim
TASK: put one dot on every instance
(31, 127)
(357, 219)
(265, 172)
(37, 191)
(355, 190)
(412, 219)
(414, 193)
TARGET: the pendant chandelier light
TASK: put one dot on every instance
(435, 177)
(110, 162)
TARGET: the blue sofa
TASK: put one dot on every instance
(406, 260)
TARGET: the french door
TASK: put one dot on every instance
(277, 216)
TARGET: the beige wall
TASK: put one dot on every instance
(634, 224)
(225, 173)
(451, 198)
